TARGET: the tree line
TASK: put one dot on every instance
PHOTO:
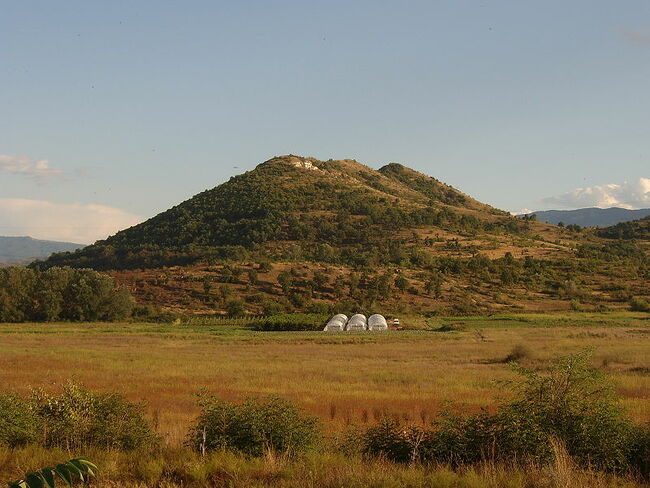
(66, 294)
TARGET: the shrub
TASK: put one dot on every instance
(256, 426)
(638, 304)
(518, 353)
(572, 404)
(639, 456)
(152, 313)
(235, 308)
(272, 307)
(79, 418)
(317, 307)
(394, 441)
(17, 421)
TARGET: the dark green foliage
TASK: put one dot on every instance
(254, 427)
(235, 307)
(639, 452)
(18, 423)
(278, 203)
(394, 441)
(61, 294)
(636, 229)
(432, 188)
(78, 469)
(292, 321)
(272, 307)
(320, 280)
(252, 276)
(401, 283)
(152, 313)
(573, 404)
(638, 304)
(78, 418)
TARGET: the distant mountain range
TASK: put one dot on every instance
(591, 217)
(23, 250)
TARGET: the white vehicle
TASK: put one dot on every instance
(395, 322)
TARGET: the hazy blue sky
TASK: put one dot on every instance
(113, 111)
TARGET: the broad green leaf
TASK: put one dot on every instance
(34, 480)
(64, 473)
(48, 476)
(83, 469)
(87, 463)
(72, 469)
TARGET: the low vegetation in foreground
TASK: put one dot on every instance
(564, 427)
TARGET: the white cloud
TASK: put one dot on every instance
(631, 195)
(71, 222)
(22, 165)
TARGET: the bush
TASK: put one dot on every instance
(640, 452)
(18, 424)
(638, 304)
(272, 307)
(518, 353)
(395, 442)
(253, 427)
(235, 308)
(152, 313)
(78, 418)
(572, 404)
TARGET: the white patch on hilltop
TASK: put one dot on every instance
(306, 165)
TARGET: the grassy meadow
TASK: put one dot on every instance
(346, 379)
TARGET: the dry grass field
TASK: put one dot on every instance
(344, 378)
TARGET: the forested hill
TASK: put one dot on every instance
(336, 211)
(325, 207)
(22, 250)
(302, 234)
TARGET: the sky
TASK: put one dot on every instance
(111, 112)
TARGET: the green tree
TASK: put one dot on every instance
(224, 293)
(252, 276)
(285, 279)
(401, 283)
(235, 307)
(320, 280)
(434, 285)
(207, 285)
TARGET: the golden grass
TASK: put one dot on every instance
(343, 378)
